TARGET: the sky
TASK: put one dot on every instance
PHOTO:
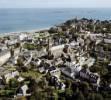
(55, 3)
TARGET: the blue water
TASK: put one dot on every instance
(13, 20)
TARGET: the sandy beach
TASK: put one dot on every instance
(27, 31)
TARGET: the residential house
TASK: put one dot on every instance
(13, 60)
(74, 45)
(55, 81)
(57, 50)
(12, 42)
(72, 70)
(23, 37)
(58, 61)
(94, 36)
(42, 70)
(89, 62)
(43, 67)
(23, 91)
(36, 62)
(54, 71)
(11, 75)
(3, 47)
(20, 79)
(68, 72)
(107, 40)
(89, 76)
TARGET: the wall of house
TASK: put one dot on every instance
(107, 40)
(4, 58)
(16, 51)
(57, 50)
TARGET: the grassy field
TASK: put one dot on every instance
(33, 74)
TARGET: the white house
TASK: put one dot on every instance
(36, 61)
(89, 62)
(57, 50)
(11, 75)
(22, 91)
(15, 73)
(75, 67)
(68, 72)
(12, 42)
(95, 36)
(22, 37)
(74, 44)
(8, 77)
(72, 69)
(3, 47)
(20, 79)
(54, 71)
(13, 60)
(106, 40)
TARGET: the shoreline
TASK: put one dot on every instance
(25, 31)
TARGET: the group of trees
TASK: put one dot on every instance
(73, 91)
(100, 67)
(9, 88)
(90, 25)
(29, 46)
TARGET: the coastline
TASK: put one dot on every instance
(25, 31)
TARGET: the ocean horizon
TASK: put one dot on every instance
(26, 19)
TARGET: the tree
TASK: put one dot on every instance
(80, 96)
(12, 52)
(68, 93)
(19, 62)
(17, 45)
(90, 27)
(85, 88)
(52, 30)
(29, 46)
(104, 71)
(51, 93)
(13, 83)
(95, 68)
(94, 96)
(68, 83)
(85, 66)
(43, 83)
(39, 95)
(91, 96)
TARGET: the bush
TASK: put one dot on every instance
(13, 83)
(94, 96)
(29, 46)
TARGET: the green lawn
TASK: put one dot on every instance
(33, 74)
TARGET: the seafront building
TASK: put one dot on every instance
(70, 51)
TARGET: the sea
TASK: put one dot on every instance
(25, 19)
